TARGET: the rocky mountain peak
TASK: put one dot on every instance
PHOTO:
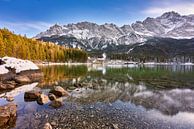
(171, 14)
(93, 36)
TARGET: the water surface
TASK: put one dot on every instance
(111, 97)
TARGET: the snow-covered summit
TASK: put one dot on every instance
(94, 36)
(18, 64)
(170, 25)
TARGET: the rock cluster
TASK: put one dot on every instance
(12, 80)
(54, 96)
(15, 72)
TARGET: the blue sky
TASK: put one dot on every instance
(33, 16)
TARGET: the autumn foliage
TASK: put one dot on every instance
(21, 47)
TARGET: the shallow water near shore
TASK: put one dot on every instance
(112, 97)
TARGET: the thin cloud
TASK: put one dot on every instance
(30, 28)
(182, 8)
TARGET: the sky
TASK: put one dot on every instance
(30, 17)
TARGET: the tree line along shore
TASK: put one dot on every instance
(18, 46)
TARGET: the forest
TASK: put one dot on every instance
(24, 48)
(153, 50)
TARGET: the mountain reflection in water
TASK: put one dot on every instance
(158, 95)
(168, 89)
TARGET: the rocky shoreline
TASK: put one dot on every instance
(14, 73)
(55, 96)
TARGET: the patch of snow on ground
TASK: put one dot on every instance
(18, 64)
(3, 70)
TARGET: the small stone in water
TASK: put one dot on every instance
(47, 126)
(53, 123)
(10, 99)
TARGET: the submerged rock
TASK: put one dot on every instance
(59, 91)
(32, 95)
(8, 114)
(42, 99)
(56, 103)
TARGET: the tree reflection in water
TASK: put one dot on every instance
(165, 88)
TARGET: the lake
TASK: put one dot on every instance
(112, 97)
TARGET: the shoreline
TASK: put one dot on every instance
(55, 63)
(116, 64)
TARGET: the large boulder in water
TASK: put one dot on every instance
(32, 95)
(8, 115)
(59, 91)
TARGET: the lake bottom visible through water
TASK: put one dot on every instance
(113, 98)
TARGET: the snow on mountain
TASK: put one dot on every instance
(170, 24)
(93, 36)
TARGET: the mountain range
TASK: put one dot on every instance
(91, 36)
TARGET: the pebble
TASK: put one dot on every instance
(53, 123)
(47, 126)
(10, 99)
